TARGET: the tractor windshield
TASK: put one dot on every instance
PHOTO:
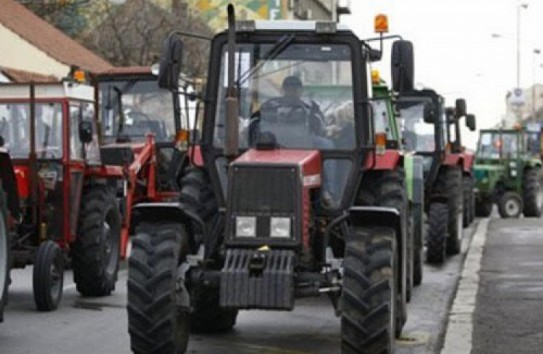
(496, 145)
(15, 129)
(417, 134)
(134, 108)
(297, 96)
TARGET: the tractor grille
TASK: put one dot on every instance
(267, 190)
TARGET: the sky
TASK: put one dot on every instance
(455, 53)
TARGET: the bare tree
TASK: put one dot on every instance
(132, 34)
(64, 14)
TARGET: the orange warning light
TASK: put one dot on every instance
(381, 23)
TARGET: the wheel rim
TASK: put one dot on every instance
(3, 256)
(56, 275)
(512, 207)
(110, 249)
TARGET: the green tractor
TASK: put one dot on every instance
(386, 120)
(508, 173)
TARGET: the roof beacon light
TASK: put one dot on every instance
(79, 76)
(381, 24)
(375, 77)
(245, 26)
(325, 27)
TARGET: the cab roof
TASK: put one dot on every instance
(60, 90)
(292, 25)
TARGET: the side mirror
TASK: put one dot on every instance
(170, 63)
(403, 66)
(85, 131)
(470, 122)
(460, 108)
(429, 113)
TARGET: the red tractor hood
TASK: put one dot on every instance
(308, 160)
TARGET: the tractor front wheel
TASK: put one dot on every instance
(438, 217)
(48, 276)
(532, 194)
(510, 205)
(95, 252)
(207, 315)
(419, 227)
(4, 253)
(369, 304)
(158, 301)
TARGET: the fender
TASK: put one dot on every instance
(165, 213)
(452, 159)
(387, 161)
(468, 158)
(195, 155)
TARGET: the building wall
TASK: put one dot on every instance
(17, 53)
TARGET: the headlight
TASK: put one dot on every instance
(280, 227)
(246, 226)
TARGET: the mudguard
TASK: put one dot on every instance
(164, 213)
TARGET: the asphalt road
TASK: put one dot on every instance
(84, 325)
(509, 305)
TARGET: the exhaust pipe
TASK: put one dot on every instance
(231, 146)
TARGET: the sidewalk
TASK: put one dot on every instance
(508, 316)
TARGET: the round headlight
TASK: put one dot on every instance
(246, 226)
(280, 227)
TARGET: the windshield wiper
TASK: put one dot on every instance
(281, 44)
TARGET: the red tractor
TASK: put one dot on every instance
(276, 204)
(426, 130)
(56, 196)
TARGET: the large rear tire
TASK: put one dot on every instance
(468, 200)
(5, 250)
(532, 194)
(419, 228)
(368, 300)
(96, 250)
(158, 303)
(48, 276)
(449, 184)
(438, 215)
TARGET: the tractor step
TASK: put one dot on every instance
(253, 279)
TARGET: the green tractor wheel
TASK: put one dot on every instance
(510, 205)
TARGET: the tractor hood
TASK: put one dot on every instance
(309, 162)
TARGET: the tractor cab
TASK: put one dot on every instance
(58, 190)
(46, 127)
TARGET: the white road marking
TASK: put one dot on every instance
(458, 338)
(72, 286)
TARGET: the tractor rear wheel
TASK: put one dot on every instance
(467, 185)
(96, 250)
(207, 316)
(438, 216)
(510, 205)
(472, 201)
(449, 184)
(158, 302)
(483, 208)
(48, 276)
(4, 253)
(368, 300)
(532, 194)
(419, 227)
